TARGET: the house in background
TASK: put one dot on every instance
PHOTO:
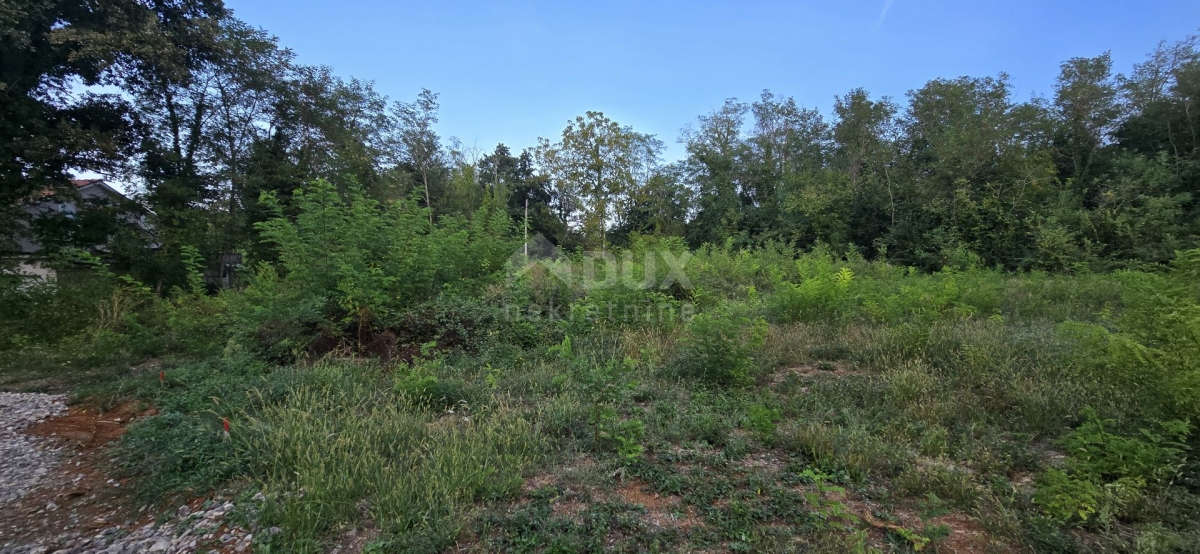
(88, 220)
(92, 195)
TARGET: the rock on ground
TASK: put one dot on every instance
(188, 531)
(29, 466)
(25, 460)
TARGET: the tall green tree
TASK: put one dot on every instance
(976, 162)
(866, 149)
(790, 148)
(1086, 108)
(202, 132)
(717, 169)
(596, 167)
(659, 208)
(421, 145)
(52, 52)
(788, 137)
(531, 199)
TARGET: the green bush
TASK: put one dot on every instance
(1105, 473)
(40, 312)
(275, 320)
(606, 386)
(823, 293)
(1066, 498)
(1153, 456)
(721, 348)
(762, 421)
(424, 389)
(346, 264)
(1156, 350)
(622, 306)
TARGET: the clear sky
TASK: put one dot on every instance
(511, 71)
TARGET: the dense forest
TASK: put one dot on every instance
(958, 321)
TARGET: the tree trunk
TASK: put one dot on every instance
(428, 199)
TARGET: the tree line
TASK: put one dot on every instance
(206, 115)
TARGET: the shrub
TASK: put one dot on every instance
(606, 385)
(823, 293)
(1064, 497)
(348, 263)
(720, 349)
(1154, 456)
(424, 389)
(40, 312)
(624, 307)
(1105, 473)
(762, 421)
(274, 320)
(1156, 350)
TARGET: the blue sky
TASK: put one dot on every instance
(513, 71)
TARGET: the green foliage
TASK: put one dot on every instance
(427, 390)
(354, 265)
(49, 133)
(1157, 349)
(823, 292)
(1146, 356)
(182, 451)
(628, 434)
(931, 371)
(721, 349)
(415, 472)
(1106, 473)
(94, 315)
(1066, 498)
(597, 161)
(1153, 456)
(197, 323)
(623, 306)
(853, 452)
(918, 384)
(763, 421)
(606, 386)
(62, 308)
(830, 512)
(188, 454)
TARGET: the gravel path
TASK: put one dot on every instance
(187, 532)
(25, 461)
(33, 468)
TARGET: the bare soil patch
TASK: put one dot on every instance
(661, 511)
(78, 497)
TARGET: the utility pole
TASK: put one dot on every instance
(526, 227)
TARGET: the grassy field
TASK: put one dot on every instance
(771, 404)
(958, 318)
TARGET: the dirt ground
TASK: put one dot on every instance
(79, 497)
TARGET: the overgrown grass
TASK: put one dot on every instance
(339, 448)
(811, 405)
